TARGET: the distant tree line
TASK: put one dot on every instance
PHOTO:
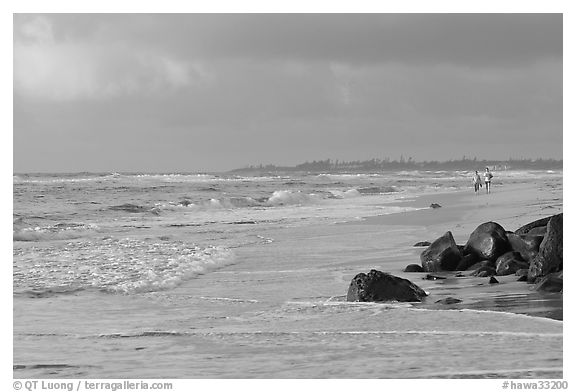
(372, 165)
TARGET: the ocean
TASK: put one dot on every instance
(203, 275)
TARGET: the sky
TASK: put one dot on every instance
(213, 92)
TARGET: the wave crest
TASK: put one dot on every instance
(122, 266)
(288, 197)
(59, 231)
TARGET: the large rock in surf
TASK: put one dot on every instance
(509, 263)
(527, 228)
(467, 261)
(377, 286)
(442, 255)
(549, 257)
(488, 241)
(526, 244)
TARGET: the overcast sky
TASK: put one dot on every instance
(204, 92)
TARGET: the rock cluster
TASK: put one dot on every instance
(533, 253)
(491, 250)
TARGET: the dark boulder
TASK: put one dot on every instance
(493, 280)
(532, 225)
(413, 268)
(509, 263)
(488, 241)
(435, 205)
(552, 283)
(467, 261)
(441, 255)
(422, 243)
(379, 286)
(549, 258)
(527, 245)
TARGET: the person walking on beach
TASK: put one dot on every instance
(487, 179)
(476, 181)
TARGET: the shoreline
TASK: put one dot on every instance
(511, 206)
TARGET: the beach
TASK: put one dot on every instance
(220, 196)
(279, 309)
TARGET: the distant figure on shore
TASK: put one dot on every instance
(487, 178)
(477, 182)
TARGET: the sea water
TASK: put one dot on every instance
(194, 275)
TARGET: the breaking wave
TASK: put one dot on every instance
(60, 231)
(123, 266)
(278, 198)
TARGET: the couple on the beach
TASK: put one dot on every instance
(476, 180)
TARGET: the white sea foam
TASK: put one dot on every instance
(286, 207)
(55, 232)
(203, 178)
(348, 176)
(225, 299)
(277, 199)
(401, 334)
(494, 312)
(346, 194)
(446, 333)
(116, 265)
(501, 373)
(288, 197)
(347, 304)
(17, 179)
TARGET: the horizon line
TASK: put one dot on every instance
(407, 161)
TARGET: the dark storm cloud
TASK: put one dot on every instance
(473, 40)
(464, 39)
(222, 90)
